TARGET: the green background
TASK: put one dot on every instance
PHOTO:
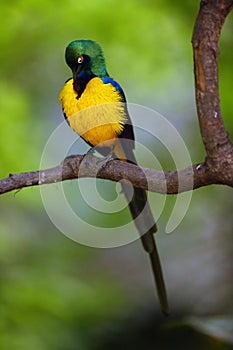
(56, 293)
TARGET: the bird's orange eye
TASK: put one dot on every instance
(80, 59)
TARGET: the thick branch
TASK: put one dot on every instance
(73, 167)
(205, 41)
(218, 167)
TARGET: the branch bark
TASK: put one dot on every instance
(218, 165)
(219, 150)
(73, 167)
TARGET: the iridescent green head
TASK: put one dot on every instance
(85, 55)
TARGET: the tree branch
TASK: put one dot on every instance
(218, 165)
(74, 167)
(205, 41)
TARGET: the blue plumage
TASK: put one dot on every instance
(108, 80)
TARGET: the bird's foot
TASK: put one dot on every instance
(87, 156)
(103, 162)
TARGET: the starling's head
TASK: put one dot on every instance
(85, 55)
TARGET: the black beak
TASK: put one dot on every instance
(76, 71)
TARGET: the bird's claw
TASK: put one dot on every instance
(102, 162)
(87, 155)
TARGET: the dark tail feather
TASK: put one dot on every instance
(159, 280)
(144, 221)
(146, 226)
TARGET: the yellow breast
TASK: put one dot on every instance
(97, 115)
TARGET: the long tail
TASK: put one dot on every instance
(144, 221)
(146, 226)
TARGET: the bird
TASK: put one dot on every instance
(95, 107)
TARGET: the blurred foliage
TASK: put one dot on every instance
(54, 293)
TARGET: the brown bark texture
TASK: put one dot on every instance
(217, 167)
